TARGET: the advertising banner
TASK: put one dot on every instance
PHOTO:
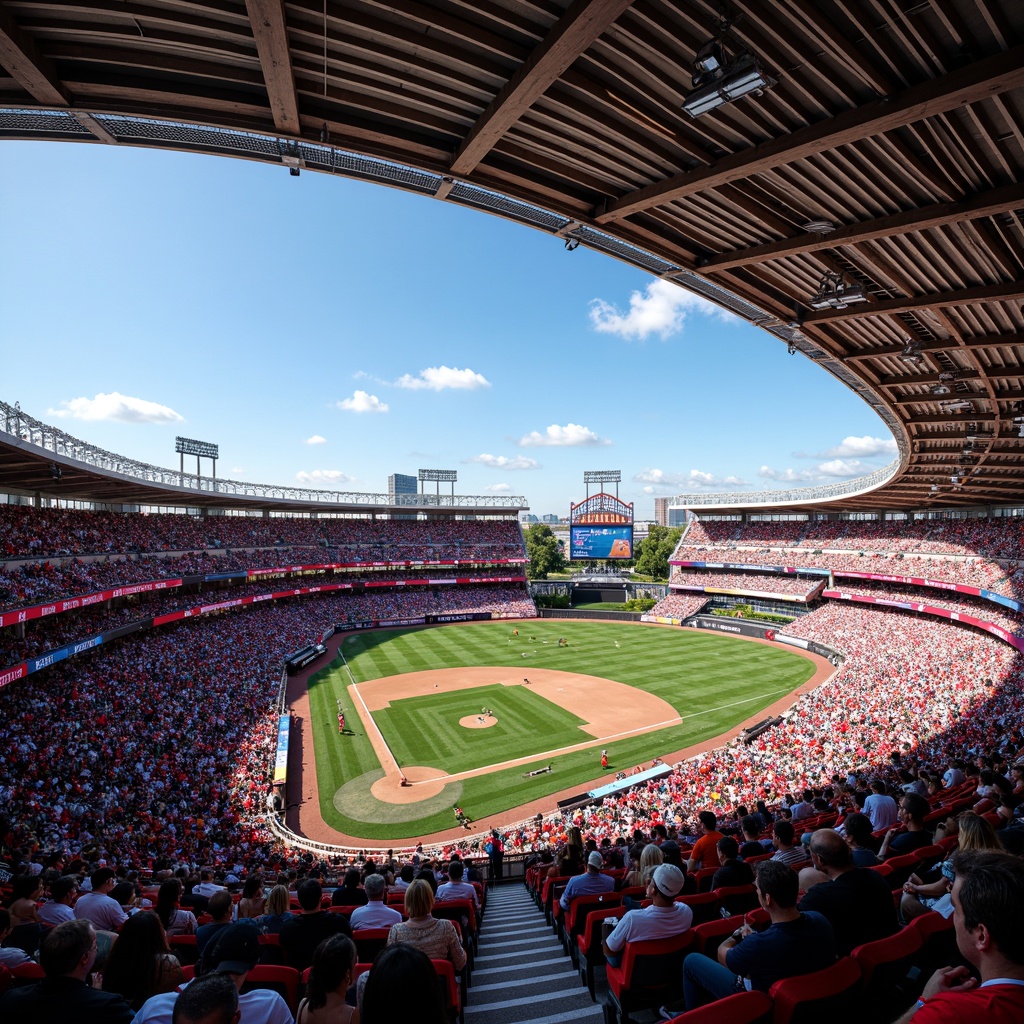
(281, 758)
(591, 542)
(41, 611)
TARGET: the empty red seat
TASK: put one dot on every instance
(742, 1008)
(822, 995)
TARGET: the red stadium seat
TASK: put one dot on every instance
(823, 995)
(742, 1008)
(651, 974)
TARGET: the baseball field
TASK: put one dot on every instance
(466, 713)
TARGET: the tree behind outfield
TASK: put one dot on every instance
(656, 549)
(543, 552)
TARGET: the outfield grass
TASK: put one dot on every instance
(713, 682)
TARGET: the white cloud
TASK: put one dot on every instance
(834, 469)
(115, 406)
(842, 468)
(658, 480)
(498, 488)
(237, 470)
(569, 436)
(661, 308)
(855, 447)
(323, 476)
(363, 402)
(316, 439)
(788, 476)
(504, 462)
(443, 378)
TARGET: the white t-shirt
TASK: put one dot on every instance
(55, 913)
(105, 913)
(260, 1006)
(374, 915)
(650, 923)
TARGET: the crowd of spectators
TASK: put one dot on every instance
(888, 553)
(921, 689)
(678, 606)
(160, 747)
(52, 631)
(28, 532)
(962, 604)
(509, 601)
(1000, 538)
(763, 582)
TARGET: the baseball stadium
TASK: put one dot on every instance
(205, 681)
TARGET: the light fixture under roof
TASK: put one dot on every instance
(720, 77)
(961, 406)
(834, 292)
(818, 227)
(911, 352)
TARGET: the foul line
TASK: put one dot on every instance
(366, 717)
(735, 703)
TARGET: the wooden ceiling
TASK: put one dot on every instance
(900, 122)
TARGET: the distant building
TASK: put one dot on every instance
(661, 513)
(400, 484)
(549, 518)
(529, 518)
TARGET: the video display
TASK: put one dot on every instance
(600, 542)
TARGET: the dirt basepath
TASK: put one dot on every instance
(574, 692)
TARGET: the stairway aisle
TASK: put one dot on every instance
(521, 974)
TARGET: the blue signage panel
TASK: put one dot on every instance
(600, 542)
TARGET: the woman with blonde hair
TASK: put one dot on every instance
(650, 860)
(437, 938)
(278, 904)
(974, 833)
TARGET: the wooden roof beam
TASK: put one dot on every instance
(947, 345)
(984, 204)
(583, 22)
(890, 307)
(975, 82)
(896, 380)
(28, 66)
(267, 18)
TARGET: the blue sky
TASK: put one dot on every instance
(330, 332)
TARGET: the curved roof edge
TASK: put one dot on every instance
(38, 458)
(792, 498)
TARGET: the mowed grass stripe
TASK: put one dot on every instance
(718, 680)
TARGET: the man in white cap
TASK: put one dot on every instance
(591, 883)
(663, 919)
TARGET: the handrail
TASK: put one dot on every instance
(845, 489)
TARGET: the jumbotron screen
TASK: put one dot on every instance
(600, 542)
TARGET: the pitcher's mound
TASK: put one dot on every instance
(428, 782)
(478, 721)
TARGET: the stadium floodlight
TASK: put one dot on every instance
(911, 352)
(602, 476)
(202, 449)
(940, 389)
(836, 293)
(718, 80)
(445, 476)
